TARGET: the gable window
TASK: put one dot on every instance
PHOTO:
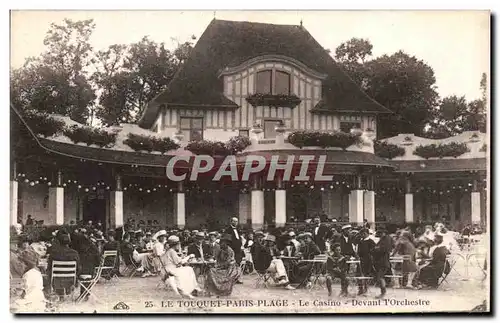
(264, 82)
(269, 128)
(192, 128)
(282, 83)
(349, 122)
(272, 82)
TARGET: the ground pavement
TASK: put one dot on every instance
(461, 292)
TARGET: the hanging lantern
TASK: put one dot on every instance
(64, 185)
(32, 183)
(86, 190)
(140, 189)
(36, 182)
(49, 183)
(322, 188)
(93, 188)
(107, 187)
(124, 188)
(148, 191)
(79, 186)
(331, 187)
(26, 180)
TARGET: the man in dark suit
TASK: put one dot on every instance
(381, 256)
(319, 233)
(213, 245)
(198, 248)
(236, 243)
(346, 243)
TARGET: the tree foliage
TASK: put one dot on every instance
(455, 115)
(57, 81)
(400, 82)
(114, 85)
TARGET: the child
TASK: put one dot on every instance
(336, 266)
(33, 299)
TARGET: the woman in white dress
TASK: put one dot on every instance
(185, 278)
(32, 299)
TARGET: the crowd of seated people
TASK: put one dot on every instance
(278, 252)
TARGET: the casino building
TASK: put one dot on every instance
(276, 86)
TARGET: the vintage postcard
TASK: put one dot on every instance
(249, 162)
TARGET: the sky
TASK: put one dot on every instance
(454, 43)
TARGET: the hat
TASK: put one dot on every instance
(148, 233)
(200, 235)
(308, 234)
(160, 233)
(291, 234)
(195, 231)
(259, 233)
(173, 239)
(30, 258)
(334, 220)
(213, 233)
(300, 236)
(226, 237)
(347, 226)
(270, 237)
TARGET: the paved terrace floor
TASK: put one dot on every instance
(141, 295)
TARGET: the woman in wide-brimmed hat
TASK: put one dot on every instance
(184, 279)
(33, 299)
(222, 277)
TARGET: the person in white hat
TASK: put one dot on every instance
(267, 261)
(150, 264)
(346, 242)
(184, 276)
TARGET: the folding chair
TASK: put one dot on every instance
(64, 270)
(107, 264)
(87, 283)
(447, 268)
(396, 270)
(131, 266)
(263, 278)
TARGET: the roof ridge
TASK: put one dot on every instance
(254, 22)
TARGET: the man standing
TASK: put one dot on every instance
(319, 234)
(236, 242)
(213, 245)
(381, 258)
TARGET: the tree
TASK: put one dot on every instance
(449, 118)
(352, 55)
(400, 82)
(57, 81)
(131, 76)
(455, 115)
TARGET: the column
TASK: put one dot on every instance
(356, 201)
(475, 206)
(280, 200)
(116, 204)
(180, 206)
(244, 205)
(56, 202)
(257, 201)
(409, 217)
(14, 195)
(369, 203)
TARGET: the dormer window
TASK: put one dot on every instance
(349, 122)
(273, 82)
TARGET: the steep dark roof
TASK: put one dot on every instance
(230, 43)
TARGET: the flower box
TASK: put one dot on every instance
(442, 150)
(43, 124)
(90, 136)
(389, 151)
(323, 139)
(274, 100)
